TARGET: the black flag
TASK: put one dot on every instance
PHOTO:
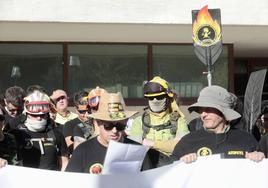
(253, 97)
(207, 35)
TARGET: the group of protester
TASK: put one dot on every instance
(39, 131)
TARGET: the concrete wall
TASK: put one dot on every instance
(238, 12)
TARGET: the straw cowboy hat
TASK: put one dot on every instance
(112, 108)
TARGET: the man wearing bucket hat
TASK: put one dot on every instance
(111, 119)
(214, 105)
(40, 145)
(162, 124)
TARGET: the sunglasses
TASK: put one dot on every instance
(157, 97)
(60, 98)
(39, 115)
(15, 110)
(84, 111)
(118, 126)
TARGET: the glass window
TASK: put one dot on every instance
(28, 64)
(179, 65)
(240, 76)
(113, 67)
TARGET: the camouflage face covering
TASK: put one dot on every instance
(158, 105)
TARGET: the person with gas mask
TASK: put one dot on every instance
(40, 145)
(162, 123)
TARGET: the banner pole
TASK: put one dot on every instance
(209, 75)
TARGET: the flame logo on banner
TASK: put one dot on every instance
(206, 31)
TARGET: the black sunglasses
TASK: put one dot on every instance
(15, 110)
(84, 111)
(160, 97)
(39, 115)
(60, 98)
(118, 126)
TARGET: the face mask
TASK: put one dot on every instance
(158, 105)
(35, 125)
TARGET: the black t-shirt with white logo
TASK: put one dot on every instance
(40, 149)
(89, 157)
(231, 144)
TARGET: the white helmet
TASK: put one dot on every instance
(37, 103)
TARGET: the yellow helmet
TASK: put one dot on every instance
(156, 87)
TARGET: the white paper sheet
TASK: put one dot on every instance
(123, 158)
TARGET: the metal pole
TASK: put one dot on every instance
(209, 75)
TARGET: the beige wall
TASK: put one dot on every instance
(244, 23)
(239, 12)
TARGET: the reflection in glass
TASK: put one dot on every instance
(31, 64)
(15, 72)
(74, 61)
(114, 67)
(180, 67)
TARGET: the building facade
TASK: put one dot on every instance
(120, 44)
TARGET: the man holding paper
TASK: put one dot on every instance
(111, 118)
(214, 105)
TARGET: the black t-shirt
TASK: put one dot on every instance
(69, 127)
(84, 130)
(264, 144)
(13, 122)
(231, 144)
(40, 149)
(8, 149)
(89, 157)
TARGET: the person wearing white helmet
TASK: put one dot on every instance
(162, 124)
(40, 144)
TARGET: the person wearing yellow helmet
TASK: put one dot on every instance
(162, 123)
(40, 144)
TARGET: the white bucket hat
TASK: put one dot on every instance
(218, 98)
